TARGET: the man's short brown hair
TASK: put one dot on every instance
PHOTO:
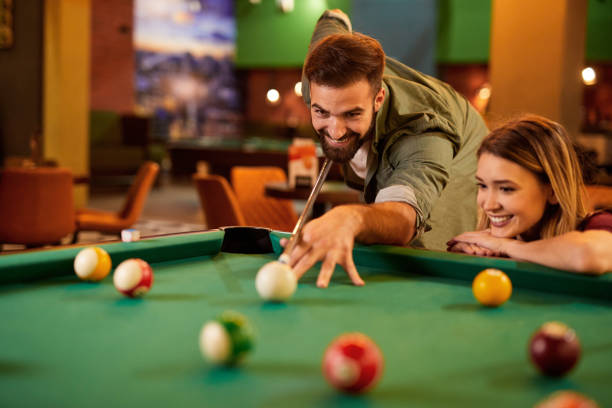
(343, 59)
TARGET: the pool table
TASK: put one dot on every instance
(69, 343)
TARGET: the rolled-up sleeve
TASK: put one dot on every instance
(417, 172)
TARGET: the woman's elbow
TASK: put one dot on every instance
(590, 260)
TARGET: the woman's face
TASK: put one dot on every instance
(511, 196)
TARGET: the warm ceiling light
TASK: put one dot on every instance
(273, 95)
(588, 76)
(484, 92)
(298, 89)
(286, 6)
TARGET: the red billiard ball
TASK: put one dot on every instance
(133, 277)
(554, 349)
(353, 363)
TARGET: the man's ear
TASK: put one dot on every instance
(379, 99)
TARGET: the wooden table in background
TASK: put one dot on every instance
(332, 193)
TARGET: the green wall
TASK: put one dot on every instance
(599, 31)
(268, 38)
(463, 31)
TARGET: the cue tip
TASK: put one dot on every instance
(284, 258)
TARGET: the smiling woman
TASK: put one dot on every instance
(532, 202)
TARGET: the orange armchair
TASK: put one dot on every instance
(113, 222)
(258, 209)
(36, 205)
(218, 201)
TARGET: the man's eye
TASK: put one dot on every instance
(481, 186)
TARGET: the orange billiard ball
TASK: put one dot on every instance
(492, 287)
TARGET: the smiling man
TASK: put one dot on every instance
(407, 140)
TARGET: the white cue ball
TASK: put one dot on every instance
(275, 281)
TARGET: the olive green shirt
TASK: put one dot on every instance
(423, 152)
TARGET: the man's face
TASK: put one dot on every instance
(344, 117)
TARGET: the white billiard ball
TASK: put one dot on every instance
(275, 281)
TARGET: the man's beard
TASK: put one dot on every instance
(347, 152)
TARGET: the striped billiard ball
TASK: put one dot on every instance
(353, 363)
(227, 339)
(92, 264)
(133, 277)
(554, 349)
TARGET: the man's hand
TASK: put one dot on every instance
(479, 243)
(329, 238)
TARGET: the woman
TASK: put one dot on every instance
(531, 197)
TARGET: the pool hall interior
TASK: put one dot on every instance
(184, 89)
(133, 131)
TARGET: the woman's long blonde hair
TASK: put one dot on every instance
(544, 148)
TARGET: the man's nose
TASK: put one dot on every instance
(336, 128)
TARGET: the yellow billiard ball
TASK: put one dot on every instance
(92, 264)
(492, 287)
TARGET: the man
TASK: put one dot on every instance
(406, 139)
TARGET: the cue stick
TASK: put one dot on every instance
(295, 235)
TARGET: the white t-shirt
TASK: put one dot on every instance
(359, 162)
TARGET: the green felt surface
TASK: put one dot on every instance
(69, 343)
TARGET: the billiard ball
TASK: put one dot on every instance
(491, 287)
(353, 363)
(133, 277)
(567, 399)
(92, 264)
(227, 339)
(554, 349)
(275, 281)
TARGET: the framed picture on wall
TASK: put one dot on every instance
(6, 24)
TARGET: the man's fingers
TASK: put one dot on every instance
(327, 269)
(304, 264)
(351, 270)
(299, 251)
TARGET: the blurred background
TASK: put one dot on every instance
(102, 86)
